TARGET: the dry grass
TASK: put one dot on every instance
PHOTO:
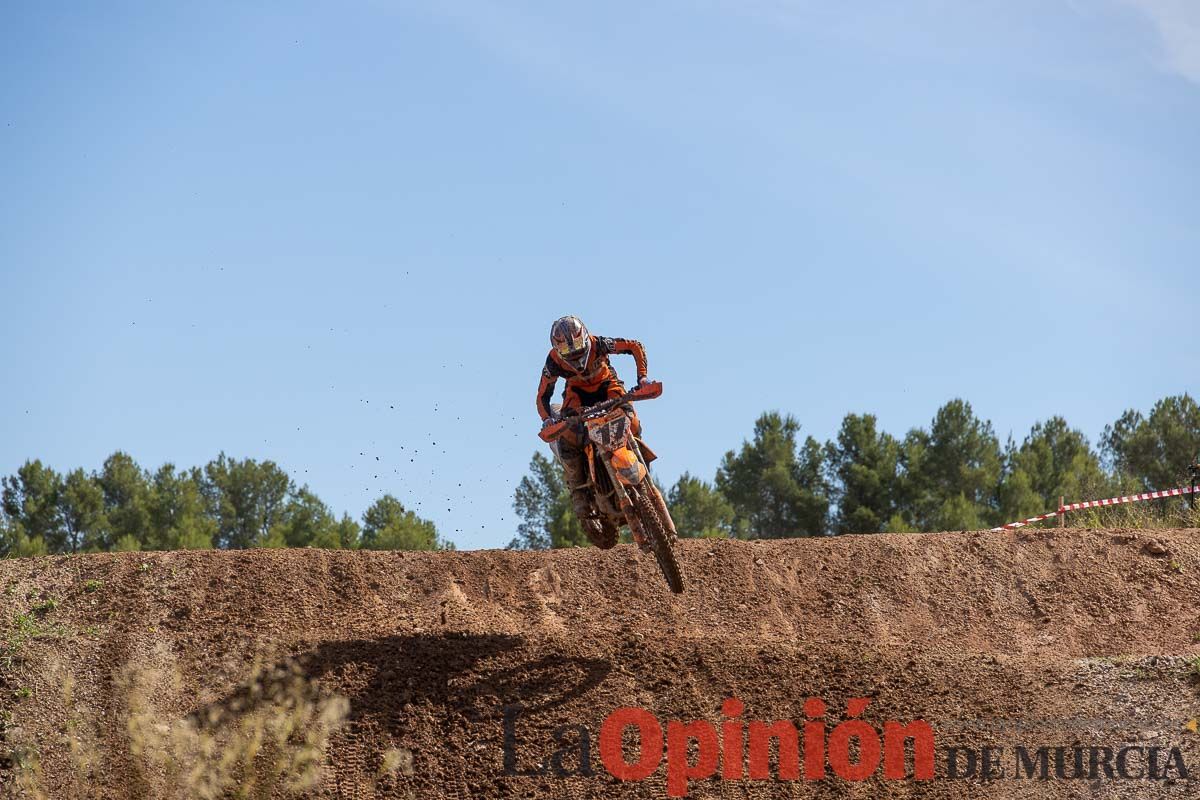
(1165, 513)
(267, 739)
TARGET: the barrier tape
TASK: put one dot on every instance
(1132, 498)
(1025, 522)
(1111, 501)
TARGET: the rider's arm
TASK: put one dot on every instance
(545, 392)
(633, 348)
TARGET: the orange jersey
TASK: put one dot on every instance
(597, 381)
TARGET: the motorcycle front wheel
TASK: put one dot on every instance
(658, 536)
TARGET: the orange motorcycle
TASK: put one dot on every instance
(620, 478)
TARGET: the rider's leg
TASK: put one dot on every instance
(573, 456)
(575, 471)
(582, 503)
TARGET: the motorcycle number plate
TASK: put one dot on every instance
(608, 431)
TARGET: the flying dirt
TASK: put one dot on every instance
(1041, 663)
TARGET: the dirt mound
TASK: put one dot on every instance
(1081, 640)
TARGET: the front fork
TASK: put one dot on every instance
(620, 487)
(627, 510)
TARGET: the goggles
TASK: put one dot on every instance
(573, 345)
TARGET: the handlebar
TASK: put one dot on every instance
(645, 391)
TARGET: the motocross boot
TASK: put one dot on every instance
(593, 526)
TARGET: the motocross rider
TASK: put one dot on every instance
(581, 359)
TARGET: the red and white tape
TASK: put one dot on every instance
(1111, 501)
(1025, 522)
(1132, 498)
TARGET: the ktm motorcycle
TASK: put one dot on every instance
(620, 478)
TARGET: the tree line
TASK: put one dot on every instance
(228, 503)
(953, 475)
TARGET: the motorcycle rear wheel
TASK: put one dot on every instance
(606, 536)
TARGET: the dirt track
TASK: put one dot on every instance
(1078, 637)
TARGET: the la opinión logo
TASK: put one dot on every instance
(634, 744)
(740, 749)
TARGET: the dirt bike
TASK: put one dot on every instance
(620, 478)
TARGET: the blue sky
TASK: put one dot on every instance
(335, 235)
